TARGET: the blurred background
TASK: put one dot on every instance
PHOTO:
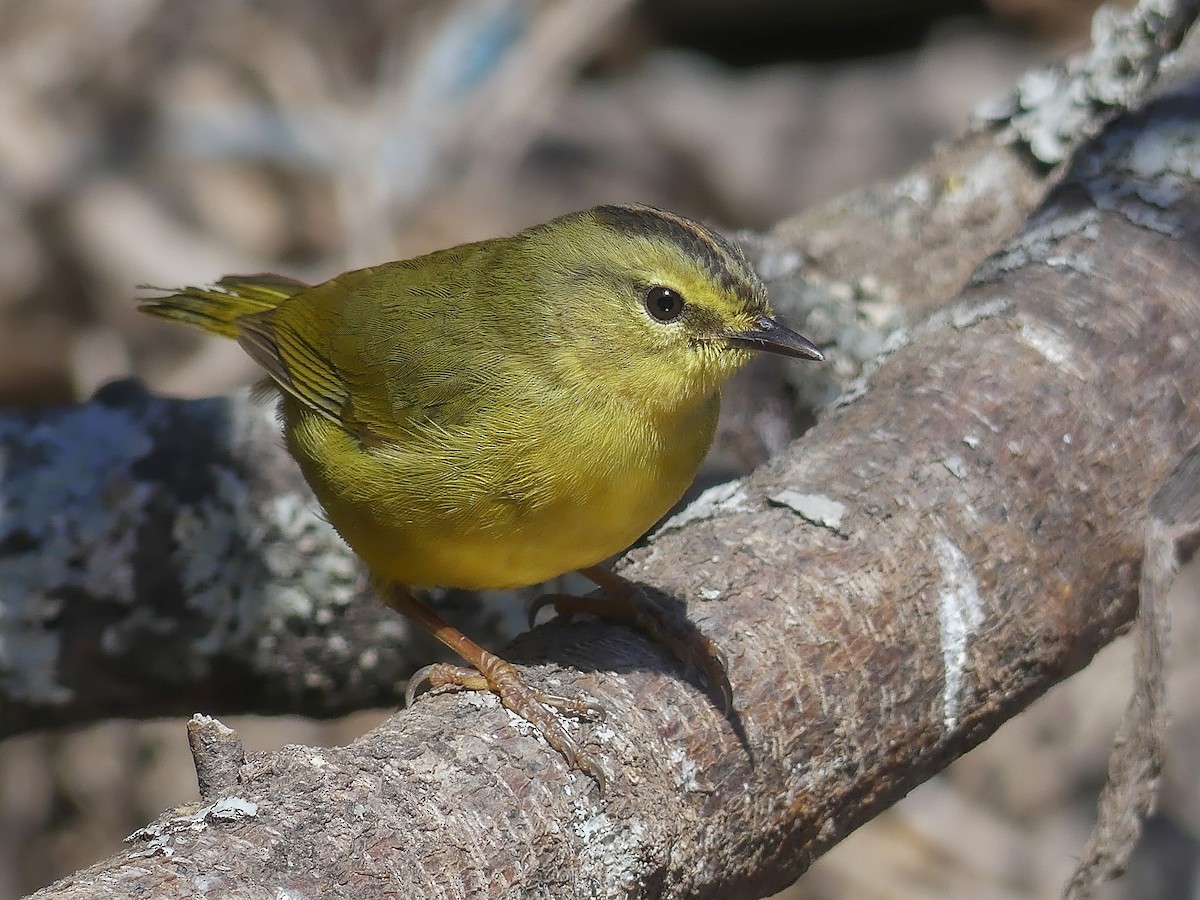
(169, 142)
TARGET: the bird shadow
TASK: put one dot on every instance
(594, 642)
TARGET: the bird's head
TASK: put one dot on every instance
(652, 304)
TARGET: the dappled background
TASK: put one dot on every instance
(168, 141)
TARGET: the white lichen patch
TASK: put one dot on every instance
(1055, 108)
(156, 838)
(603, 734)
(1051, 346)
(69, 515)
(685, 769)
(977, 184)
(78, 488)
(955, 466)
(484, 700)
(720, 498)
(960, 614)
(610, 855)
(240, 563)
(202, 720)
(252, 564)
(231, 809)
(1041, 242)
(815, 508)
(1141, 173)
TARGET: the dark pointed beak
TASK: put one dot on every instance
(768, 334)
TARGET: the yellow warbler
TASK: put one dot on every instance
(499, 413)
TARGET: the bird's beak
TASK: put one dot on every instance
(768, 334)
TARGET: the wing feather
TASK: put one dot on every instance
(380, 351)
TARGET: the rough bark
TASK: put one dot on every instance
(956, 536)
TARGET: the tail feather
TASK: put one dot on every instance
(217, 308)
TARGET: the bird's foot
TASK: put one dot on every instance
(501, 678)
(491, 673)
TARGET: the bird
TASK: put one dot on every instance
(499, 413)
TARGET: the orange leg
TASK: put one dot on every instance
(626, 603)
(491, 673)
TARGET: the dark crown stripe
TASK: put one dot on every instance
(723, 259)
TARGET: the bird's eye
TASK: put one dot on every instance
(664, 304)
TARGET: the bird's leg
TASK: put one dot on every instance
(491, 673)
(627, 603)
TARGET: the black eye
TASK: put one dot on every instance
(664, 304)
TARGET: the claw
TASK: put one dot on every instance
(418, 679)
(439, 675)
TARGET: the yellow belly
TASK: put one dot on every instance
(485, 514)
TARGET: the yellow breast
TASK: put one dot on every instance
(496, 508)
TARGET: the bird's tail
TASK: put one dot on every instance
(218, 307)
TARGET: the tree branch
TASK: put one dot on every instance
(156, 554)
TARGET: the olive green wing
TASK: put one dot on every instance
(381, 352)
(289, 347)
